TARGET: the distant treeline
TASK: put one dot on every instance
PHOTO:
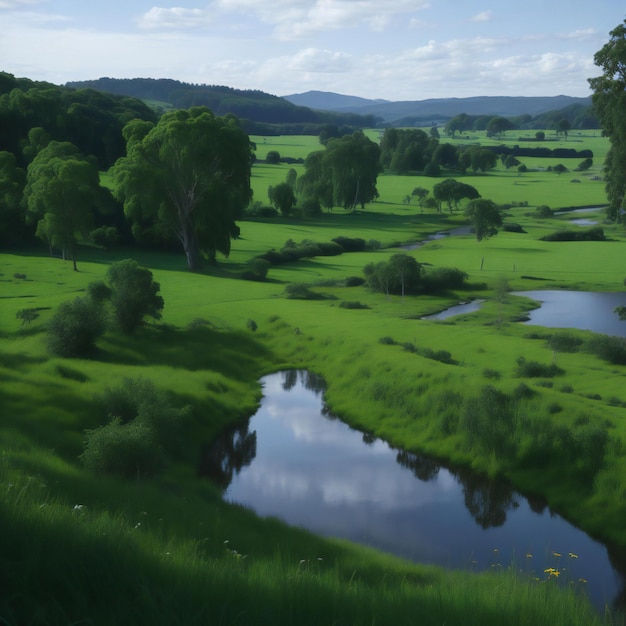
(260, 112)
(558, 153)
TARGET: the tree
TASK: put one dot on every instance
(609, 102)
(446, 155)
(563, 127)
(498, 126)
(74, 328)
(272, 157)
(61, 194)
(134, 295)
(400, 275)
(282, 197)
(540, 135)
(484, 216)
(510, 161)
(434, 132)
(583, 166)
(344, 174)
(190, 175)
(12, 181)
(559, 168)
(420, 193)
(452, 192)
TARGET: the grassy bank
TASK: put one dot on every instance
(79, 547)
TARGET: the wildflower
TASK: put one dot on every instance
(582, 580)
(78, 507)
(137, 525)
(529, 555)
(572, 555)
(557, 554)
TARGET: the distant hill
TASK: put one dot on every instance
(329, 101)
(260, 111)
(436, 108)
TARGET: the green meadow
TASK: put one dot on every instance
(87, 548)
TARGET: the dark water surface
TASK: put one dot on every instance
(295, 461)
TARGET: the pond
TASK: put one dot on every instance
(586, 310)
(457, 309)
(296, 461)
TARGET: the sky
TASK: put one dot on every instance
(388, 49)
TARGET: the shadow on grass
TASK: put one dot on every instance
(232, 353)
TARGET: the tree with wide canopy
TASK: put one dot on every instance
(190, 175)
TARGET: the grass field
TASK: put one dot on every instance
(82, 547)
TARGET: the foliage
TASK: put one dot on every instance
(452, 192)
(346, 304)
(400, 275)
(251, 325)
(27, 315)
(565, 342)
(190, 175)
(272, 157)
(533, 369)
(351, 244)
(258, 269)
(74, 328)
(609, 101)
(543, 211)
(611, 349)
(301, 291)
(406, 150)
(595, 233)
(344, 174)
(282, 197)
(134, 295)
(62, 188)
(485, 217)
(12, 181)
(440, 279)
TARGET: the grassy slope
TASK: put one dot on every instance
(46, 409)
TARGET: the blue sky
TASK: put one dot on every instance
(391, 49)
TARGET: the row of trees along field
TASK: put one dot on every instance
(186, 176)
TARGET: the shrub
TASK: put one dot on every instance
(533, 369)
(350, 244)
(595, 233)
(75, 327)
(543, 211)
(492, 374)
(258, 269)
(273, 157)
(354, 281)
(123, 449)
(611, 349)
(300, 291)
(27, 315)
(353, 305)
(444, 278)
(251, 325)
(511, 227)
(134, 295)
(387, 341)
(98, 291)
(564, 342)
(311, 207)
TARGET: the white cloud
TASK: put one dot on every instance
(294, 19)
(174, 18)
(485, 16)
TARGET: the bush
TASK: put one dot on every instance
(354, 281)
(510, 227)
(350, 244)
(301, 291)
(258, 269)
(611, 349)
(444, 278)
(251, 325)
(273, 157)
(311, 207)
(387, 341)
(564, 342)
(134, 295)
(75, 327)
(533, 369)
(27, 315)
(352, 305)
(122, 449)
(543, 211)
(493, 374)
(596, 233)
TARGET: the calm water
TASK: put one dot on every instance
(457, 309)
(587, 310)
(295, 461)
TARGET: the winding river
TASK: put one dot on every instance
(296, 461)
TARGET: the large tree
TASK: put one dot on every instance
(61, 194)
(344, 174)
(609, 102)
(12, 180)
(190, 175)
(452, 192)
(484, 217)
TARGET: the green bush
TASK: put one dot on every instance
(595, 233)
(258, 269)
(301, 291)
(564, 342)
(351, 244)
(74, 328)
(352, 305)
(444, 278)
(611, 349)
(134, 295)
(543, 212)
(354, 281)
(128, 450)
(533, 369)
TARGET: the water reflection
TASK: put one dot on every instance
(289, 462)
